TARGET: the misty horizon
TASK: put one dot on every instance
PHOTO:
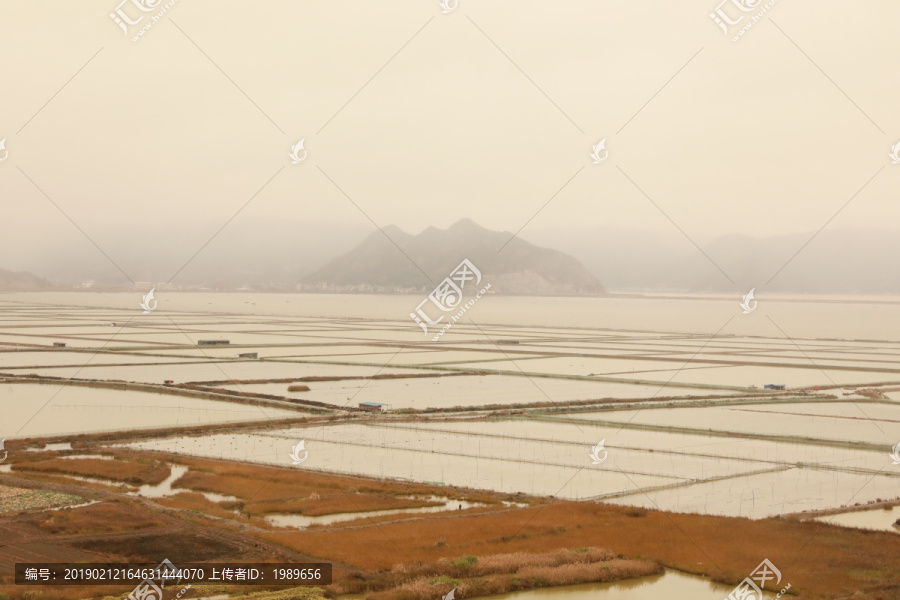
(278, 254)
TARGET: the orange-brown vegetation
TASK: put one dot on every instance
(175, 545)
(507, 546)
(265, 490)
(339, 503)
(119, 531)
(298, 388)
(821, 561)
(104, 517)
(501, 573)
(374, 520)
(112, 592)
(115, 470)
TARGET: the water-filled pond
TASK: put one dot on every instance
(304, 521)
(877, 519)
(34, 410)
(671, 585)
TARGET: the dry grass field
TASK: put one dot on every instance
(123, 471)
(488, 550)
(312, 494)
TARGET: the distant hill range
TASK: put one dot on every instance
(395, 261)
(843, 261)
(285, 255)
(13, 281)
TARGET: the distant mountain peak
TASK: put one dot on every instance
(466, 225)
(392, 229)
(398, 261)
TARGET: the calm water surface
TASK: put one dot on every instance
(668, 586)
(878, 519)
(800, 316)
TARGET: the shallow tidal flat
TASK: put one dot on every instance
(685, 418)
(680, 473)
(876, 519)
(87, 366)
(40, 410)
(849, 422)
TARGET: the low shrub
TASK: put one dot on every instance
(465, 562)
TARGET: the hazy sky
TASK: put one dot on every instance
(486, 112)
